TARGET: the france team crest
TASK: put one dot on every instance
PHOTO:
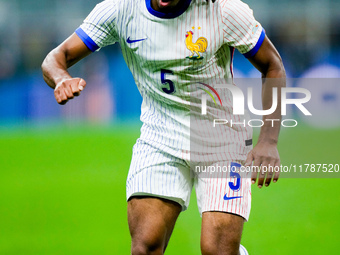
(197, 47)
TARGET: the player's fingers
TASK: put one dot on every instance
(269, 173)
(277, 171)
(249, 159)
(262, 174)
(247, 164)
(67, 90)
(57, 96)
(74, 87)
(255, 170)
(81, 84)
(78, 87)
(63, 97)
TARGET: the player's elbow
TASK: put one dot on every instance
(51, 66)
(44, 64)
(48, 61)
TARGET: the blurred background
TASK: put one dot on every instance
(306, 33)
(63, 168)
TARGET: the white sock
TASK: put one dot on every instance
(243, 251)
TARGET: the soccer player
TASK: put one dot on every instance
(168, 46)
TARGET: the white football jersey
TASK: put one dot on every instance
(168, 54)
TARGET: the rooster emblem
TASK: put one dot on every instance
(199, 46)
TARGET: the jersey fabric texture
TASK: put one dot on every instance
(167, 54)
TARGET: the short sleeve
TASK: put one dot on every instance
(99, 28)
(240, 28)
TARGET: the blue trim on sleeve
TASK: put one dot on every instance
(170, 15)
(87, 40)
(254, 50)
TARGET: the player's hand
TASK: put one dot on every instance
(267, 156)
(68, 89)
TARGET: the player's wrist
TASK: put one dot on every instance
(62, 79)
(268, 141)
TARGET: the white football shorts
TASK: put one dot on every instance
(156, 173)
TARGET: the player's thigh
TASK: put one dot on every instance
(151, 220)
(221, 233)
(156, 173)
(223, 196)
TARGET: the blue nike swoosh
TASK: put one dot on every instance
(133, 41)
(230, 198)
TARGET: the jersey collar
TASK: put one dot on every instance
(167, 15)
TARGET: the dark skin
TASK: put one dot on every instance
(268, 61)
(173, 5)
(151, 220)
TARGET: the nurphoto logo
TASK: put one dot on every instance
(288, 97)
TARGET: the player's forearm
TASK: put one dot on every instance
(54, 68)
(61, 58)
(273, 78)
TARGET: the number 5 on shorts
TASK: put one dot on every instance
(234, 174)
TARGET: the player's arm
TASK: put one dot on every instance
(55, 67)
(268, 61)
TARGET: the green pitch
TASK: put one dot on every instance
(62, 191)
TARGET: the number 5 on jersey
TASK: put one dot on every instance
(168, 85)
